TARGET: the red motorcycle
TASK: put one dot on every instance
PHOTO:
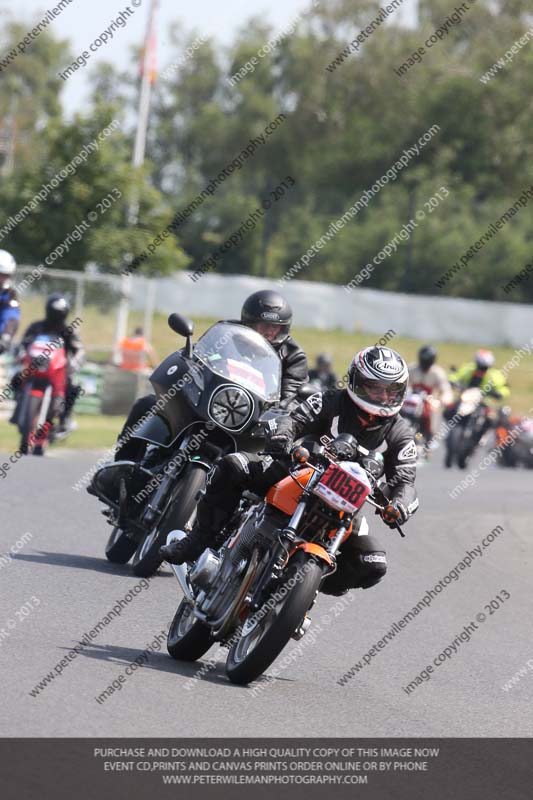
(417, 409)
(43, 383)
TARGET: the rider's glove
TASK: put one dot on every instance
(279, 443)
(394, 512)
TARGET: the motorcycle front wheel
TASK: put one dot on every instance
(263, 637)
(119, 548)
(147, 560)
(28, 421)
(453, 446)
(188, 638)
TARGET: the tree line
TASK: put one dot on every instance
(348, 119)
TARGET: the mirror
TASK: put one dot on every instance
(181, 325)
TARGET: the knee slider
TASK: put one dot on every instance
(228, 472)
(371, 568)
(237, 463)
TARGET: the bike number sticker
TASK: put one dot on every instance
(342, 490)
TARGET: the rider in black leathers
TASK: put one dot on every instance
(269, 314)
(369, 410)
(323, 376)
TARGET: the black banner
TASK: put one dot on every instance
(375, 769)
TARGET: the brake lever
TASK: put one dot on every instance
(399, 529)
(382, 508)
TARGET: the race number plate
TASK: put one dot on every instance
(344, 486)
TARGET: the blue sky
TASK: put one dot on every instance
(83, 20)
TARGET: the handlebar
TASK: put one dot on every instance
(301, 455)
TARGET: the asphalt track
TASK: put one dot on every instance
(63, 568)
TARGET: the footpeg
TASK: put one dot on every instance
(300, 632)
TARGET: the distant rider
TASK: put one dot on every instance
(323, 376)
(54, 324)
(9, 305)
(429, 377)
(482, 374)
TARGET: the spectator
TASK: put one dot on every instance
(135, 352)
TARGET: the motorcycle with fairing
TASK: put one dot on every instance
(252, 591)
(42, 377)
(213, 398)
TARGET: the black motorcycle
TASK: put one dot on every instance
(213, 398)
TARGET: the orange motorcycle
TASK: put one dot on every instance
(254, 592)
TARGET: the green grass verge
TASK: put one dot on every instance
(93, 433)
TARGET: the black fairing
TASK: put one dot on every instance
(195, 385)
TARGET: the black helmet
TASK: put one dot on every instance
(266, 309)
(324, 361)
(427, 356)
(56, 309)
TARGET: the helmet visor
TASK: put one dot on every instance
(273, 332)
(379, 393)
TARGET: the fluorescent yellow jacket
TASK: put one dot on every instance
(492, 380)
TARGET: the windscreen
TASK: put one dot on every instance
(242, 356)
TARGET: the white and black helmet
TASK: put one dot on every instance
(8, 264)
(377, 381)
(484, 359)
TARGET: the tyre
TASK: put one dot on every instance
(462, 460)
(260, 643)
(28, 422)
(119, 548)
(453, 446)
(508, 457)
(465, 449)
(147, 560)
(188, 638)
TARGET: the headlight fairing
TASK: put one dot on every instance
(231, 407)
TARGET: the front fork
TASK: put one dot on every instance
(286, 547)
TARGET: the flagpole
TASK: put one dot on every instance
(139, 149)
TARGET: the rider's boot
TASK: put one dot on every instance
(187, 549)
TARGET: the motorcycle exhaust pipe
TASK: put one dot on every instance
(180, 570)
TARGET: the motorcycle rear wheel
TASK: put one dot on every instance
(258, 646)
